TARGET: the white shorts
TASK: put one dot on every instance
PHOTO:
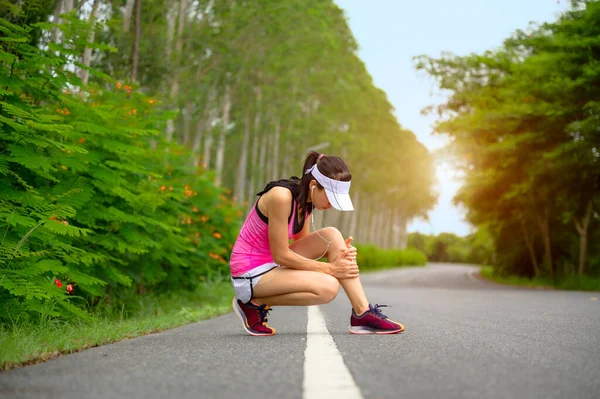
(244, 284)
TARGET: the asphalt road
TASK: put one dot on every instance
(464, 338)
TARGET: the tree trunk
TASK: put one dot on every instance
(381, 229)
(544, 225)
(401, 227)
(262, 159)
(240, 185)
(254, 160)
(354, 217)
(363, 228)
(135, 54)
(385, 228)
(222, 137)
(127, 12)
(56, 20)
(288, 162)
(582, 229)
(87, 52)
(171, 18)
(170, 130)
(187, 120)
(372, 222)
(531, 249)
(212, 115)
(183, 5)
(197, 143)
(275, 167)
(201, 126)
(269, 153)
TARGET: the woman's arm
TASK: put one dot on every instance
(278, 206)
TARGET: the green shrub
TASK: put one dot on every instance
(91, 196)
(371, 257)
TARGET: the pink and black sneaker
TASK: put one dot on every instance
(254, 318)
(373, 322)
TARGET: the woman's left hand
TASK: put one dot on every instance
(352, 253)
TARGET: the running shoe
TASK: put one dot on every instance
(254, 318)
(373, 321)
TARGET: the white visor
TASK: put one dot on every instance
(338, 192)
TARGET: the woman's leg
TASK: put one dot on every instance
(288, 287)
(312, 246)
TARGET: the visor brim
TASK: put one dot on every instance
(341, 202)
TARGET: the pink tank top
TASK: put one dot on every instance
(252, 247)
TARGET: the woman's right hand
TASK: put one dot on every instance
(344, 266)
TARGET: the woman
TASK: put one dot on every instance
(268, 271)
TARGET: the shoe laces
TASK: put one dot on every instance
(263, 311)
(377, 311)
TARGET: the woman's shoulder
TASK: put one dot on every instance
(279, 195)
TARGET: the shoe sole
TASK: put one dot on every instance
(367, 330)
(242, 317)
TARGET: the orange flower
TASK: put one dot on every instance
(204, 219)
(197, 234)
(170, 188)
(188, 193)
(194, 209)
(81, 140)
(118, 85)
(217, 235)
(162, 188)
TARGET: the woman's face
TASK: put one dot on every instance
(318, 197)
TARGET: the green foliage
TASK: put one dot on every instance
(476, 248)
(89, 193)
(573, 282)
(371, 257)
(523, 128)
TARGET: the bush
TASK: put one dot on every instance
(371, 257)
(93, 201)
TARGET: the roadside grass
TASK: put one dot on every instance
(24, 343)
(571, 283)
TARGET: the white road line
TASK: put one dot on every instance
(325, 374)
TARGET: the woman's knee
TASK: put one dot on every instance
(332, 233)
(329, 288)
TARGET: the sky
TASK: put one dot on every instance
(391, 32)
